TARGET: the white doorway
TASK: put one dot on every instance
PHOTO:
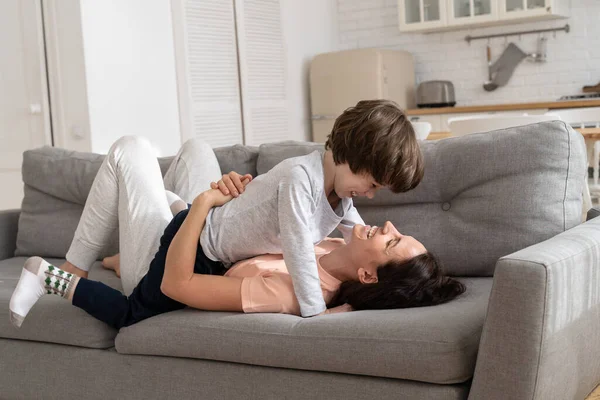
(24, 105)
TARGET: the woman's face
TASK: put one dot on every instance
(370, 246)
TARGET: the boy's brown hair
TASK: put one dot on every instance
(376, 137)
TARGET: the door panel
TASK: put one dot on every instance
(207, 71)
(24, 111)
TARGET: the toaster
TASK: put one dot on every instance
(435, 94)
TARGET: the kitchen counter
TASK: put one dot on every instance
(588, 133)
(504, 107)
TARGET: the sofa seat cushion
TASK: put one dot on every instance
(53, 319)
(430, 344)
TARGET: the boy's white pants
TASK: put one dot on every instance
(129, 193)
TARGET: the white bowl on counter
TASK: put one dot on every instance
(422, 129)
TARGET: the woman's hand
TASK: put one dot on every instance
(212, 198)
(225, 190)
(339, 309)
(232, 183)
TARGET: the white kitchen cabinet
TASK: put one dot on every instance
(462, 12)
(444, 15)
(533, 9)
(443, 118)
(434, 120)
(439, 122)
(416, 15)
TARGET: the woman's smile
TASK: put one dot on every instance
(371, 232)
(367, 231)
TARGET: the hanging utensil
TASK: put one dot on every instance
(489, 85)
(506, 63)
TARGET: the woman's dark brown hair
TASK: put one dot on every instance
(417, 282)
(376, 137)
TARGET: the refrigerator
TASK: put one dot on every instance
(340, 79)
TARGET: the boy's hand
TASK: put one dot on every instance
(232, 183)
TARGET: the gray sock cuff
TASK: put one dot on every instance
(70, 286)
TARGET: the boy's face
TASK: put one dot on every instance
(348, 184)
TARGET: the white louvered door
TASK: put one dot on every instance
(262, 61)
(231, 71)
(207, 71)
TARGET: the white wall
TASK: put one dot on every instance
(573, 58)
(309, 28)
(130, 72)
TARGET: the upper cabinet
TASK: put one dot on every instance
(440, 15)
(533, 9)
(422, 14)
(462, 12)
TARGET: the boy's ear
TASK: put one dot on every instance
(365, 276)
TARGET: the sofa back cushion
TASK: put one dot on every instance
(487, 195)
(271, 154)
(483, 196)
(57, 183)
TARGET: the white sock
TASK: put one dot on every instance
(37, 278)
(175, 202)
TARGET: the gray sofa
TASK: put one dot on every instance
(501, 209)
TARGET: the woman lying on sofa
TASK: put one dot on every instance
(399, 265)
(378, 269)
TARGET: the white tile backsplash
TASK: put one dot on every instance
(573, 58)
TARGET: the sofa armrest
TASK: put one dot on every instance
(9, 223)
(540, 337)
(593, 212)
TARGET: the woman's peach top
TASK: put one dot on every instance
(267, 285)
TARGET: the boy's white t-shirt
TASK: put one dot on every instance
(284, 211)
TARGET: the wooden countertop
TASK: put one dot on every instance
(588, 133)
(504, 107)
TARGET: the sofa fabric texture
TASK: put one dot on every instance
(544, 306)
(119, 376)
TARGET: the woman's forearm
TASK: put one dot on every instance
(181, 256)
